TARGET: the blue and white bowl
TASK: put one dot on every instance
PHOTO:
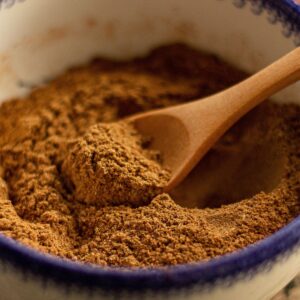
(40, 39)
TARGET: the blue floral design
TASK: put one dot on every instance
(9, 3)
(287, 12)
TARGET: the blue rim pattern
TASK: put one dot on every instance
(287, 12)
(67, 273)
(245, 261)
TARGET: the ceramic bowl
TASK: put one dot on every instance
(40, 39)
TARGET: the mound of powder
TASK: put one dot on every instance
(51, 160)
(111, 164)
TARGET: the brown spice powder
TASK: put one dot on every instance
(50, 196)
(112, 164)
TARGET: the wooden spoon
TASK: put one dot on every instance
(184, 133)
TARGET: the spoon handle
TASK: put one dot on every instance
(237, 100)
(226, 107)
(206, 120)
(257, 88)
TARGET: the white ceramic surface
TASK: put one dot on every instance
(41, 38)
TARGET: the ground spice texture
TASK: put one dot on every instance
(51, 198)
(112, 164)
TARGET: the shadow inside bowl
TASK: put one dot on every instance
(245, 162)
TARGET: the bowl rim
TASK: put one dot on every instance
(242, 263)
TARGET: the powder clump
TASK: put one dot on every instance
(112, 164)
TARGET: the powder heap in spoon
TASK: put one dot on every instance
(112, 164)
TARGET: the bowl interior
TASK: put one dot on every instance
(35, 47)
